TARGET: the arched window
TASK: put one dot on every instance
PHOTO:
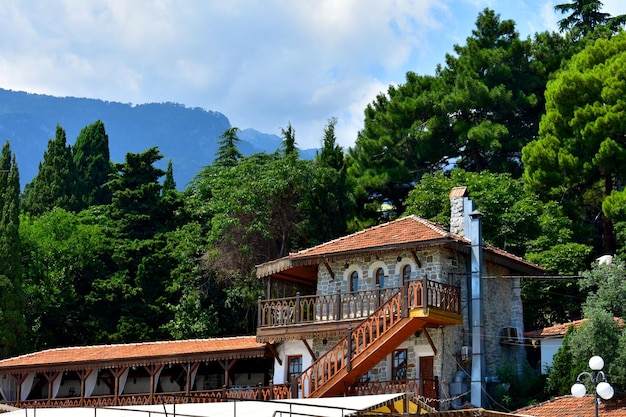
(406, 273)
(380, 278)
(354, 281)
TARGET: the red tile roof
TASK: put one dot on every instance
(559, 329)
(400, 233)
(138, 353)
(407, 230)
(570, 406)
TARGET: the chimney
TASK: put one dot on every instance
(457, 215)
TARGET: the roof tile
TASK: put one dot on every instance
(570, 406)
(143, 351)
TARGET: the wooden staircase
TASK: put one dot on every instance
(365, 346)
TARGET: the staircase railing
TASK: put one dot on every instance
(421, 293)
(340, 356)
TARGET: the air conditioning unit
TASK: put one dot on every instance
(509, 336)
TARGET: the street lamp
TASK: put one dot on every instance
(602, 388)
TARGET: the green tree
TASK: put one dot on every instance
(62, 254)
(510, 214)
(477, 112)
(136, 195)
(585, 16)
(93, 165)
(227, 153)
(169, 184)
(579, 156)
(55, 182)
(288, 145)
(327, 202)
(134, 293)
(12, 304)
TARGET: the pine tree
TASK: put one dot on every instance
(169, 184)
(12, 299)
(289, 146)
(93, 165)
(228, 154)
(54, 185)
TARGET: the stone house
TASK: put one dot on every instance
(405, 305)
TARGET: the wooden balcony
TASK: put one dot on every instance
(437, 303)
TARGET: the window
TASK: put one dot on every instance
(294, 367)
(406, 273)
(354, 281)
(380, 278)
(399, 365)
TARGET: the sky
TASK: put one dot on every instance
(262, 63)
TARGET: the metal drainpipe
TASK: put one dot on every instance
(473, 217)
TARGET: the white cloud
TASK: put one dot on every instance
(261, 63)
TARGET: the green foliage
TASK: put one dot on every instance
(62, 254)
(518, 389)
(579, 156)
(12, 325)
(227, 153)
(288, 146)
(585, 17)
(93, 165)
(477, 112)
(55, 183)
(510, 214)
(606, 287)
(562, 374)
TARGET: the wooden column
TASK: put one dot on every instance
(83, 375)
(227, 366)
(116, 374)
(51, 377)
(152, 371)
(190, 368)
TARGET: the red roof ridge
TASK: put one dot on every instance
(433, 226)
(125, 345)
(559, 329)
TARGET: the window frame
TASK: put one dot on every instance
(290, 373)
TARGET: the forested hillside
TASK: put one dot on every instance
(187, 136)
(100, 250)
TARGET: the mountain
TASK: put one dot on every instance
(187, 136)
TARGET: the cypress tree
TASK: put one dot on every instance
(12, 324)
(54, 184)
(93, 165)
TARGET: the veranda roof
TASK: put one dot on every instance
(136, 354)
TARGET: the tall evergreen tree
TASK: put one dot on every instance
(169, 184)
(227, 153)
(289, 146)
(93, 165)
(585, 16)
(12, 324)
(136, 194)
(54, 185)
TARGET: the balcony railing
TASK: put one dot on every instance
(274, 392)
(338, 306)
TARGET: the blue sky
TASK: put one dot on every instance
(263, 63)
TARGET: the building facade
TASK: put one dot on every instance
(462, 299)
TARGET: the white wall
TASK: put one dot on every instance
(549, 347)
(290, 348)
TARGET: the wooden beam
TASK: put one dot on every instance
(415, 258)
(329, 269)
(430, 341)
(308, 347)
(272, 349)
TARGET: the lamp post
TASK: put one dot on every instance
(602, 388)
